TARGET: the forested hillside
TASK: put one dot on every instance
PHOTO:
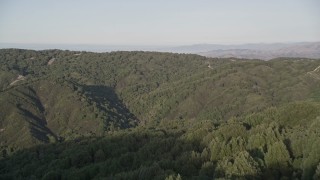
(150, 115)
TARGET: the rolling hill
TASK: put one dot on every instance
(142, 115)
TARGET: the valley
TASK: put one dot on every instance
(142, 115)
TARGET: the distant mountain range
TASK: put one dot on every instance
(253, 51)
(262, 51)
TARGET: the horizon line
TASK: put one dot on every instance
(155, 45)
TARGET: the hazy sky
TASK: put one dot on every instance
(161, 22)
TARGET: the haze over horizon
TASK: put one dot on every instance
(165, 23)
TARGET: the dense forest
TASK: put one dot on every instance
(151, 115)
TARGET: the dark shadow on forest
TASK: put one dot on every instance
(108, 101)
(38, 126)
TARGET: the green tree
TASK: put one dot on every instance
(242, 165)
(277, 155)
